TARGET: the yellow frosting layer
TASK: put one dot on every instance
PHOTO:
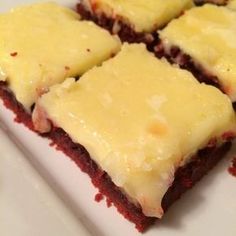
(232, 4)
(143, 15)
(140, 119)
(208, 35)
(44, 43)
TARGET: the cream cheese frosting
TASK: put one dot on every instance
(142, 15)
(208, 35)
(42, 44)
(140, 119)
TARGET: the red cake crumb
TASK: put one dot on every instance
(228, 136)
(109, 202)
(212, 142)
(99, 197)
(14, 54)
(187, 183)
(232, 168)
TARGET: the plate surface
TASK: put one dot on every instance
(27, 204)
(62, 202)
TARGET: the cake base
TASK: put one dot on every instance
(216, 2)
(10, 102)
(185, 177)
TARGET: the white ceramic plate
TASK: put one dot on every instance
(29, 207)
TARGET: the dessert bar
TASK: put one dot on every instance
(143, 130)
(203, 41)
(44, 43)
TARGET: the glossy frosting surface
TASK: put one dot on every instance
(140, 119)
(208, 35)
(44, 43)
